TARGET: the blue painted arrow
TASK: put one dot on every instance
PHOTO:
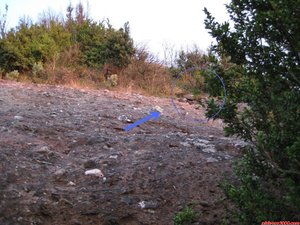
(153, 115)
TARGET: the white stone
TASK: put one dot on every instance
(71, 183)
(18, 117)
(211, 159)
(157, 108)
(209, 149)
(185, 144)
(142, 204)
(200, 144)
(203, 141)
(124, 118)
(95, 172)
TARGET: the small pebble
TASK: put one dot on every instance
(18, 117)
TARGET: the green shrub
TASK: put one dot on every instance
(45, 42)
(263, 48)
(185, 217)
(14, 75)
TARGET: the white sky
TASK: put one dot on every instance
(179, 23)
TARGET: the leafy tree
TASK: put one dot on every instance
(191, 58)
(100, 43)
(119, 46)
(264, 47)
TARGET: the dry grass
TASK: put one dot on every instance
(190, 83)
(147, 78)
(145, 75)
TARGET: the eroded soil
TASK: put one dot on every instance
(49, 137)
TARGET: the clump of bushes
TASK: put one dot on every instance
(30, 47)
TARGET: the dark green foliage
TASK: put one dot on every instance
(188, 70)
(264, 46)
(119, 47)
(191, 58)
(185, 217)
(91, 38)
(100, 44)
(30, 44)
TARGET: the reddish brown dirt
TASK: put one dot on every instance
(49, 137)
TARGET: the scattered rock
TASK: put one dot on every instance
(241, 144)
(127, 200)
(198, 106)
(198, 140)
(157, 109)
(185, 144)
(44, 149)
(75, 222)
(155, 166)
(204, 203)
(209, 149)
(200, 145)
(148, 204)
(95, 140)
(71, 183)
(46, 94)
(124, 118)
(189, 97)
(44, 154)
(64, 202)
(211, 159)
(110, 221)
(3, 129)
(18, 117)
(226, 156)
(151, 211)
(59, 174)
(113, 157)
(45, 207)
(182, 100)
(91, 163)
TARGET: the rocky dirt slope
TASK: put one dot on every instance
(50, 136)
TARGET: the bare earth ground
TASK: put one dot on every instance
(49, 137)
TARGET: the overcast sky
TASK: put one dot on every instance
(177, 23)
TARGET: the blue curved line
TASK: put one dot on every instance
(216, 75)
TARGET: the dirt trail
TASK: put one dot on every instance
(49, 137)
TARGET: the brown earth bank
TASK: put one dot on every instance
(51, 135)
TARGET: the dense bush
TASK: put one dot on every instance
(146, 73)
(51, 39)
(264, 48)
(26, 45)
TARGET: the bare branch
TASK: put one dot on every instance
(3, 20)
